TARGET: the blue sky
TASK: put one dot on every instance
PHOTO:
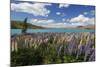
(53, 14)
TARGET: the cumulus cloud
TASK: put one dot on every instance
(85, 13)
(80, 20)
(37, 9)
(83, 20)
(91, 21)
(63, 19)
(63, 5)
(49, 23)
(58, 13)
(41, 21)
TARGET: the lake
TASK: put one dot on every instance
(18, 31)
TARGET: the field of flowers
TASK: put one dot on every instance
(52, 48)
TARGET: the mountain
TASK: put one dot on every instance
(87, 27)
(20, 25)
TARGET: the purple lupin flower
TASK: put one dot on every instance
(59, 49)
(72, 46)
(87, 50)
(92, 56)
(80, 51)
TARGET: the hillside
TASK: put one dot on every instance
(87, 27)
(20, 25)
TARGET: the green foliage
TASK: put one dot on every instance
(41, 55)
(53, 52)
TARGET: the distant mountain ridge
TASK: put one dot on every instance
(87, 27)
(20, 25)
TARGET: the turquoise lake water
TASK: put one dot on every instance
(18, 31)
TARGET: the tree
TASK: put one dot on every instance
(25, 25)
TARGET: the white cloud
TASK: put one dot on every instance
(66, 20)
(58, 13)
(63, 5)
(49, 23)
(59, 25)
(41, 21)
(85, 13)
(63, 19)
(37, 9)
(81, 19)
(91, 21)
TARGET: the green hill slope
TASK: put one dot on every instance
(20, 25)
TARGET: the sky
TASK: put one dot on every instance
(53, 15)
